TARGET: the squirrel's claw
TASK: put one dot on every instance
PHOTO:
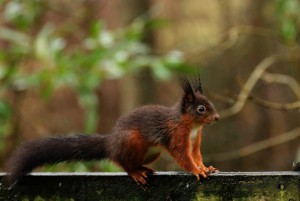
(200, 173)
(212, 169)
(203, 168)
(140, 177)
(209, 169)
(203, 174)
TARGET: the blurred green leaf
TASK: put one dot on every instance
(23, 14)
(5, 115)
(289, 31)
(47, 85)
(12, 10)
(135, 31)
(288, 18)
(16, 37)
(159, 70)
(42, 45)
(5, 110)
(109, 166)
(96, 29)
(89, 102)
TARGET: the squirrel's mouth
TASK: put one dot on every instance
(210, 121)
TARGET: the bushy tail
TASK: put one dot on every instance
(54, 150)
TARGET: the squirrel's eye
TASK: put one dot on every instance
(201, 109)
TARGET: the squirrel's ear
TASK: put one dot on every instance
(197, 84)
(189, 96)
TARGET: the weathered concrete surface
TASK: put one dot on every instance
(162, 186)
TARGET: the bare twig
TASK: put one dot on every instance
(276, 106)
(267, 104)
(255, 147)
(279, 78)
(232, 36)
(252, 80)
(283, 79)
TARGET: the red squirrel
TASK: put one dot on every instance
(132, 141)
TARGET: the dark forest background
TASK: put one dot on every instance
(75, 66)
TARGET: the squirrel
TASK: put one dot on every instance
(177, 129)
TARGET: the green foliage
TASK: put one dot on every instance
(106, 166)
(5, 114)
(101, 54)
(37, 54)
(288, 19)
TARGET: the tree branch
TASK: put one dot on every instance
(232, 37)
(255, 147)
(252, 80)
(283, 79)
(276, 106)
(267, 104)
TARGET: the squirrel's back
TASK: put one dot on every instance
(149, 120)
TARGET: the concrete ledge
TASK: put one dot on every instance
(162, 186)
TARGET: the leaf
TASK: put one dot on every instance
(96, 29)
(287, 15)
(106, 39)
(289, 30)
(5, 111)
(174, 57)
(42, 45)
(47, 85)
(16, 37)
(12, 10)
(160, 71)
(89, 102)
(109, 166)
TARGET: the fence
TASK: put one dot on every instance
(161, 186)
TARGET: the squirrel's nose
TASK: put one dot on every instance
(217, 117)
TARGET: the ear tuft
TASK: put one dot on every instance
(189, 96)
(197, 84)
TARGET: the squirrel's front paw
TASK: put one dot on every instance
(140, 177)
(212, 169)
(200, 173)
(204, 169)
(209, 169)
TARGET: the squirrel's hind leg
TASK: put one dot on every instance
(131, 158)
(140, 176)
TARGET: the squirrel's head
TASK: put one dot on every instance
(196, 105)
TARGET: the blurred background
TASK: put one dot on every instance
(69, 67)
